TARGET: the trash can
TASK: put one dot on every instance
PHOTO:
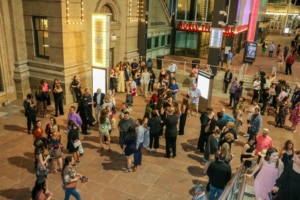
(194, 63)
(159, 61)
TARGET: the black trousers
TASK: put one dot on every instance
(59, 106)
(182, 122)
(288, 69)
(154, 141)
(255, 95)
(171, 143)
(31, 119)
(225, 86)
(202, 140)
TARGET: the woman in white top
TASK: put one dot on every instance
(256, 89)
(145, 79)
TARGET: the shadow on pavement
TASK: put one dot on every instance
(23, 162)
(21, 193)
(195, 171)
(15, 128)
(188, 147)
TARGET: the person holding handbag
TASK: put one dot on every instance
(73, 140)
(104, 129)
(55, 148)
(70, 178)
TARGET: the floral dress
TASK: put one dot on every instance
(282, 113)
(295, 115)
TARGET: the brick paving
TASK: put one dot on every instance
(157, 178)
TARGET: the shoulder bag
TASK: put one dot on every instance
(76, 143)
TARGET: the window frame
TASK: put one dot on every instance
(36, 38)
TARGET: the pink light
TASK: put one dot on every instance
(253, 20)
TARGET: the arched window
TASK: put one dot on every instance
(107, 9)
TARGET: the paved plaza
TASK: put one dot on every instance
(157, 178)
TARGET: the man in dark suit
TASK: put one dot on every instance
(98, 101)
(171, 121)
(227, 80)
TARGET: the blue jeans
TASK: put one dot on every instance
(138, 155)
(73, 192)
(214, 193)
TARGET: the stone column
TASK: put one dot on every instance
(21, 71)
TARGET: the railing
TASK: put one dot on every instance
(186, 66)
(235, 188)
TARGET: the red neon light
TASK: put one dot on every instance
(192, 27)
(253, 21)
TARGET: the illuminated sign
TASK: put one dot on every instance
(250, 52)
(216, 38)
(100, 40)
(228, 31)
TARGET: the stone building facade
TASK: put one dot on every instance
(50, 39)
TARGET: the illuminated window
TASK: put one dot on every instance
(41, 40)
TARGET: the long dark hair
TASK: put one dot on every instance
(131, 132)
(68, 159)
(37, 188)
(269, 153)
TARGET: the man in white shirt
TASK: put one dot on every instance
(172, 68)
(256, 88)
(194, 95)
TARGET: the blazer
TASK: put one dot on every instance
(171, 125)
(102, 95)
(228, 80)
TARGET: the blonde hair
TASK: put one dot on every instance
(170, 110)
(225, 150)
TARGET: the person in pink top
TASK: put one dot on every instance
(268, 170)
(263, 141)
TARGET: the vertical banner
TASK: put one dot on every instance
(100, 40)
(100, 50)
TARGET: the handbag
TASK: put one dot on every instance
(41, 174)
(76, 143)
(56, 153)
(273, 195)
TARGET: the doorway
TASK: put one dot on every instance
(111, 58)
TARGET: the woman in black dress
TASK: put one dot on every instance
(129, 147)
(248, 153)
(75, 86)
(58, 95)
(287, 185)
(73, 136)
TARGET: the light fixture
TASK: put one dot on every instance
(113, 37)
(68, 13)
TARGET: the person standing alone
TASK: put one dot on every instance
(288, 64)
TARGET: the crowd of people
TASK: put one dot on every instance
(165, 115)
